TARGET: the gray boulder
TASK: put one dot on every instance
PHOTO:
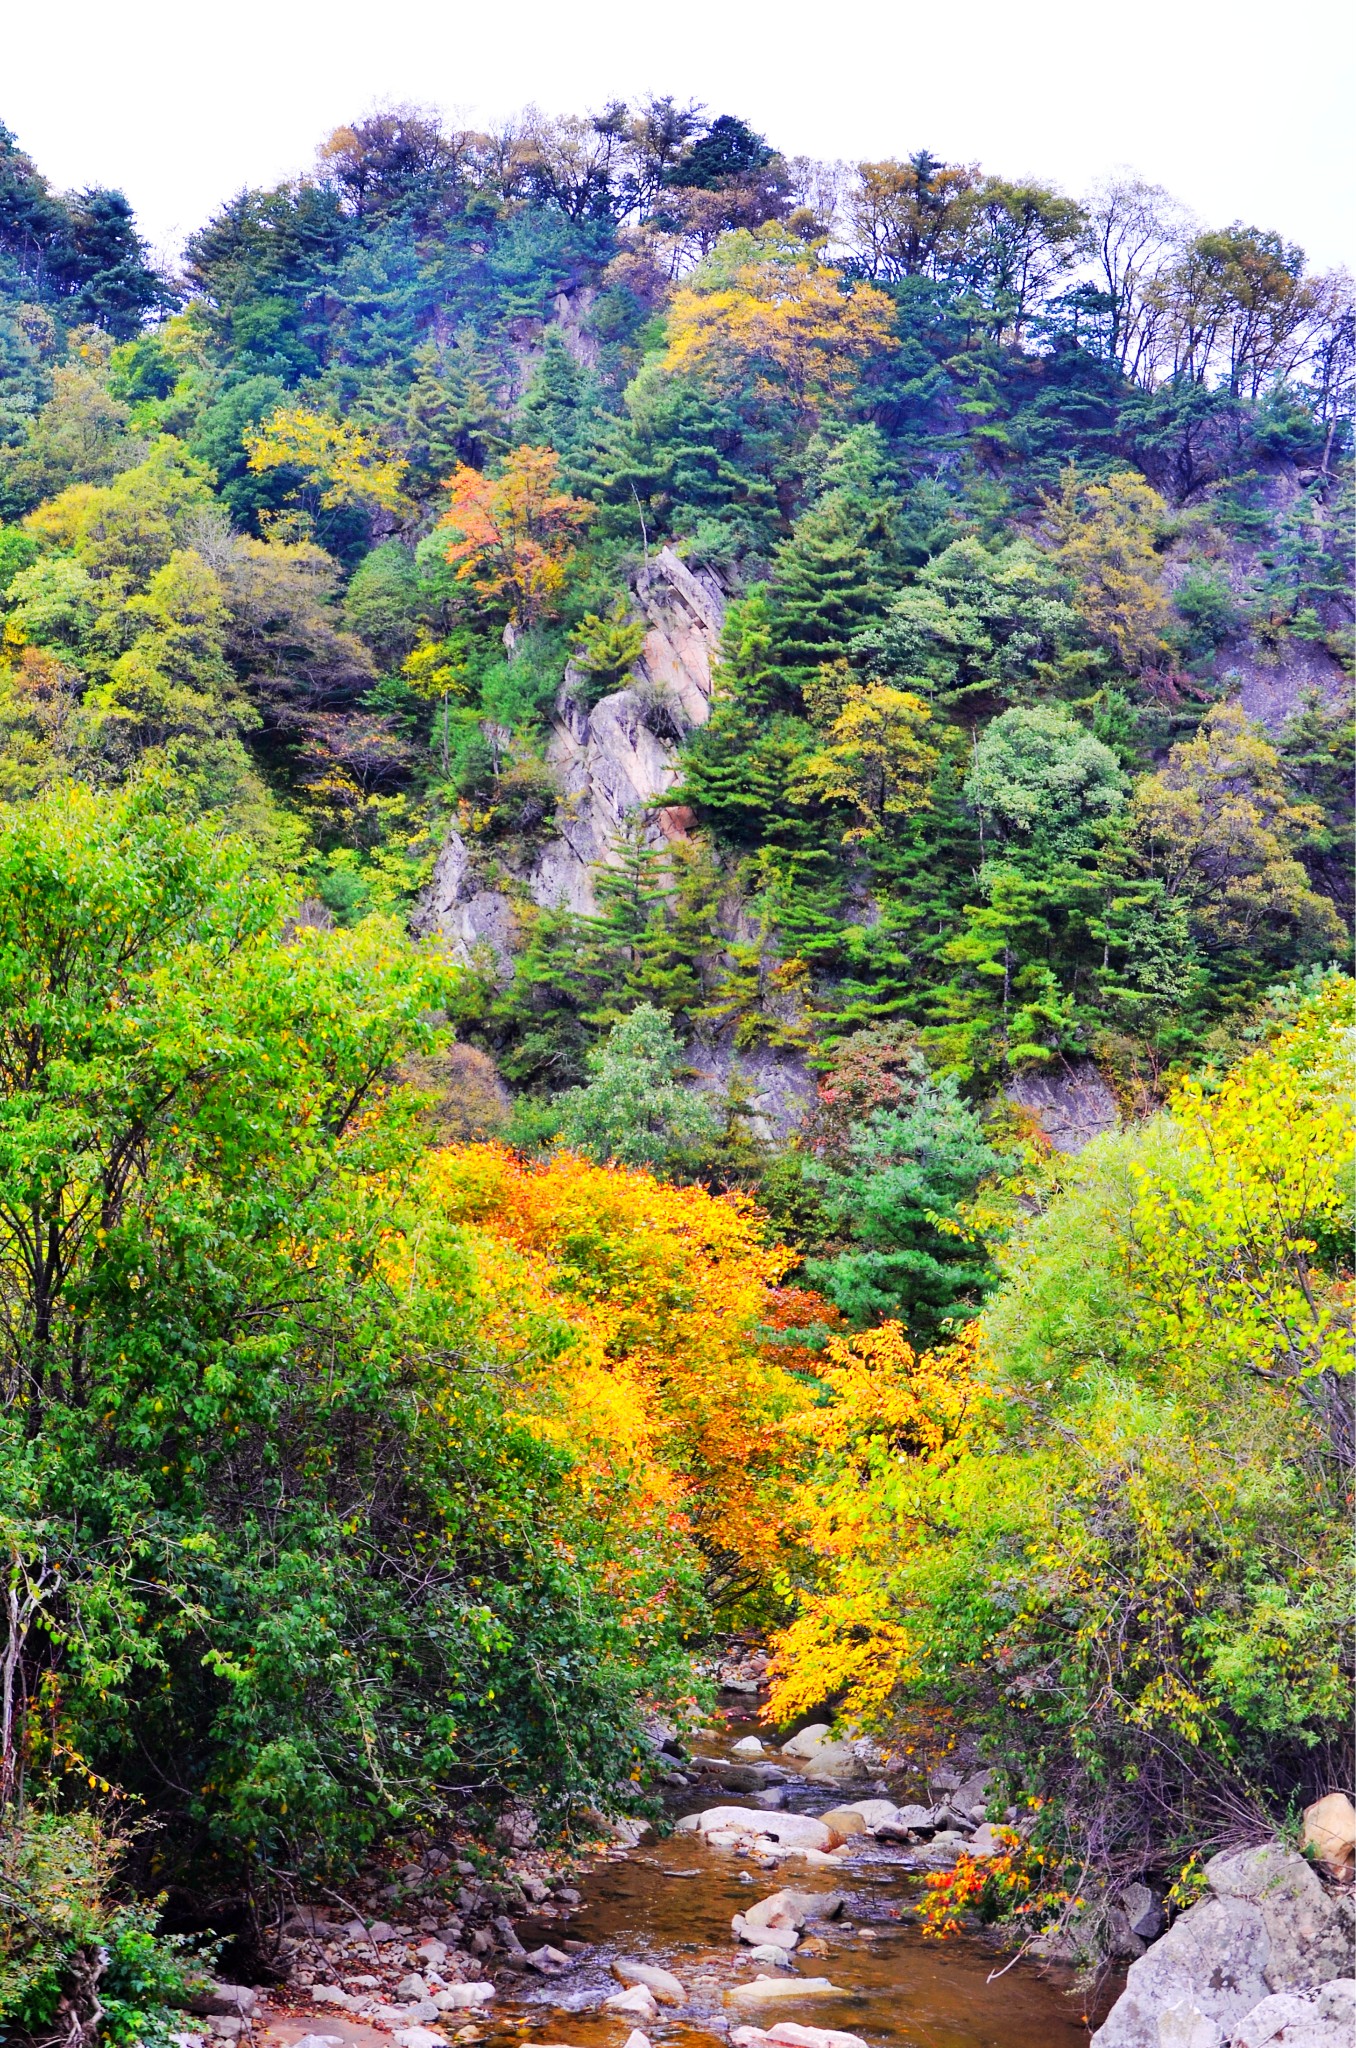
(1267, 1927)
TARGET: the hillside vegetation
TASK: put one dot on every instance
(409, 1367)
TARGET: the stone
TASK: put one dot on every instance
(635, 2039)
(875, 1812)
(1144, 1914)
(411, 1987)
(799, 1830)
(381, 1930)
(547, 1961)
(665, 1986)
(320, 2041)
(807, 1742)
(227, 1999)
(748, 1745)
(771, 1799)
(836, 1763)
(1267, 1927)
(1330, 1833)
(787, 2034)
(637, 2002)
(772, 1990)
(419, 2037)
(989, 1841)
(769, 1952)
(1290, 2020)
(329, 1994)
(458, 1997)
(844, 1820)
(226, 2026)
(534, 1889)
(434, 1953)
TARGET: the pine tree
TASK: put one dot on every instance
(828, 582)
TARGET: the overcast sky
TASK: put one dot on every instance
(1243, 110)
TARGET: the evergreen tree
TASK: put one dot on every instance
(828, 581)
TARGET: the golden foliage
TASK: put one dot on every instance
(776, 309)
(1106, 540)
(875, 757)
(897, 1421)
(650, 1304)
(348, 460)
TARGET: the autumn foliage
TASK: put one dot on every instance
(777, 309)
(512, 535)
(650, 1309)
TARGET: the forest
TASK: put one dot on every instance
(476, 1230)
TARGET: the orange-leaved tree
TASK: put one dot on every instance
(768, 305)
(513, 534)
(653, 1307)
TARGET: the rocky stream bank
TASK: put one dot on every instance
(780, 1913)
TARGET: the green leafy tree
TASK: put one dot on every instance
(636, 1110)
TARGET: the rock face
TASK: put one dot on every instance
(1268, 1928)
(1073, 1105)
(608, 763)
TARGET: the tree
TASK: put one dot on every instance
(344, 462)
(976, 622)
(512, 534)
(1219, 827)
(908, 219)
(895, 1194)
(827, 582)
(1042, 784)
(874, 757)
(767, 306)
(1106, 542)
(307, 1566)
(635, 1110)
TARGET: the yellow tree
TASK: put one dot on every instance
(346, 462)
(512, 534)
(768, 305)
(1106, 540)
(875, 758)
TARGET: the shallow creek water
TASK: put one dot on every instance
(670, 1902)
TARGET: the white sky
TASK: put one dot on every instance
(1243, 109)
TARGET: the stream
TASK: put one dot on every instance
(670, 1903)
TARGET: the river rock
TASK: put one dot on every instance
(1330, 1833)
(836, 1763)
(769, 1952)
(635, 2039)
(791, 1830)
(1144, 1915)
(330, 1994)
(458, 1997)
(1268, 1926)
(786, 2034)
(779, 1917)
(775, 1990)
(230, 2000)
(636, 2002)
(748, 1745)
(1289, 2020)
(419, 2037)
(807, 1742)
(411, 1987)
(665, 1986)
(844, 1820)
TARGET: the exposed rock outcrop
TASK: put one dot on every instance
(1073, 1103)
(609, 762)
(1267, 1930)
